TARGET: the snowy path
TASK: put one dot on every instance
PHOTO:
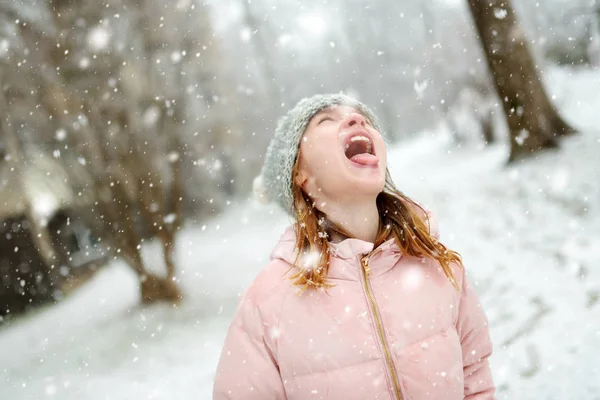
(100, 344)
(529, 236)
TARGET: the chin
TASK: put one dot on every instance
(368, 185)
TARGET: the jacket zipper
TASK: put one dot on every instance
(388, 355)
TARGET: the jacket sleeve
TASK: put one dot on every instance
(473, 330)
(247, 369)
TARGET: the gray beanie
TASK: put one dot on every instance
(275, 180)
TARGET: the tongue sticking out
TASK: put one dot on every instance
(360, 152)
(365, 159)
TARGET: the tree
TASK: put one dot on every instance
(533, 121)
(17, 160)
(137, 178)
(139, 193)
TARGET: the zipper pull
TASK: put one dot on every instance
(365, 264)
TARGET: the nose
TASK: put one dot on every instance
(354, 119)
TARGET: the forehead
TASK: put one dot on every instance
(338, 109)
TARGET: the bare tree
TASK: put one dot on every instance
(137, 196)
(18, 162)
(532, 119)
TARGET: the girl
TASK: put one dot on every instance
(360, 299)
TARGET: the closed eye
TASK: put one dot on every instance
(327, 117)
(324, 118)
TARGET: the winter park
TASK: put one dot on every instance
(299, 199)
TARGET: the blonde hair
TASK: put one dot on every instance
(398, 220)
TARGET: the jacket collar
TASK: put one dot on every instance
(345, 255)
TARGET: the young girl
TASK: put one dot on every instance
(360, 299)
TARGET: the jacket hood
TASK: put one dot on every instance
(284, 249)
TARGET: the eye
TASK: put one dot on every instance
(324, 118)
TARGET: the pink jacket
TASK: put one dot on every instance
(398, 331)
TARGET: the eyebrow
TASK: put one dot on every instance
(325, 110)
(331, 109)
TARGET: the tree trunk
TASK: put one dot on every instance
(487, 128)
(533, 121)
(39, 230)
(152, 288)
(155, 288)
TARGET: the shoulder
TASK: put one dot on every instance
(272, 285)
(431, 220)
(268, 290)
(260, 307)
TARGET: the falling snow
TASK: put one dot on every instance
(500, 13)
(528, 232)
(98, 38)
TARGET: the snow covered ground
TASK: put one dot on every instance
(529, 235)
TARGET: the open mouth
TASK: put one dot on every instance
(359, 149)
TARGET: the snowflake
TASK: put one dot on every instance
(500, 13)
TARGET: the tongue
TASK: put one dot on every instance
(365, 159)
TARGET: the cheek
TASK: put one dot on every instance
(319, 152)
(381, 149)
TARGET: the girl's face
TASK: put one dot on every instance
(342, 157)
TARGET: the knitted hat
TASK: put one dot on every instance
(275, 180)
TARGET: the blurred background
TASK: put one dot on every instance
(131, 131)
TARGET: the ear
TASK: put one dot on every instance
(302, 176)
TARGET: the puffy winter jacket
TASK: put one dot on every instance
(392, 327)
